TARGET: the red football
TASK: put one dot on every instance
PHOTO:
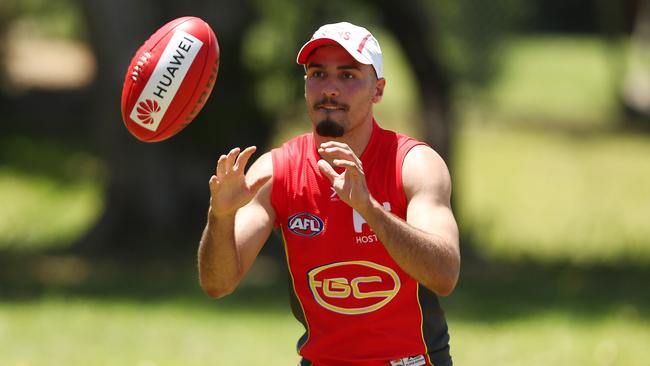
(169, 79)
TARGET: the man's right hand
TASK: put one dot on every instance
(229, 189)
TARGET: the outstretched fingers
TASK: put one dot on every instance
(230, 159)
(221, 166)
(234, 161)
(242, 159)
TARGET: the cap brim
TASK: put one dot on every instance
(310, 46)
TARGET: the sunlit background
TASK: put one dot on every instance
(540, 108)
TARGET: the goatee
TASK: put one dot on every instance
(329, 128)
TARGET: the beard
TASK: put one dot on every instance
(329, 128)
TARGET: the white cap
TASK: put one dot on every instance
(358, 41)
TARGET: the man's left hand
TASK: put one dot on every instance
(350, 185)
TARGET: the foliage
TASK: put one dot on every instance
(50, 194)
(541, 172)
(471, 35)
(533, 191)
(273, 42)
(561, 186)
(47, 19)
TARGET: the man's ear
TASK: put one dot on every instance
(379, 90)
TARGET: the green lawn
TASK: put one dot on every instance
(558, 80)
(82, 331)
(87, 331)
(550, 196)
(541, 170)
(499, 315)
(552, 339)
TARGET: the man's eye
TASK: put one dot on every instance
(347, 75)
(317, 74)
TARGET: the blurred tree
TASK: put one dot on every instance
(157, 193)
(449, 45)
(635, 92)
(415, 27)
(561, 16)
(412, 22)
(153, 188)
(6, 12)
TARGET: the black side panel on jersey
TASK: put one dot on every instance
(434, 327)
(296, 309)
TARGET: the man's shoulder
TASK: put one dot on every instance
(262, 167)
(399, 139)
(425, 169)
(404, 140)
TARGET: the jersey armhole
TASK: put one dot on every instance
(278, 191)
(402, 150)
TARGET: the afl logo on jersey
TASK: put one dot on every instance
(305, 224)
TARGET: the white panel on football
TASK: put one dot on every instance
(165, 80)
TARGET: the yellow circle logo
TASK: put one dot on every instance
(355, 287)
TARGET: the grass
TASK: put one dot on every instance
(531, 315)
(536, 315)
(541, 170)
(57, 331)
(556, 339)
(551, 196)
(571, 80)
(128, 312)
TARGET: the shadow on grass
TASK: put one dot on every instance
(487, 291)
(495, 292)
(31, 278)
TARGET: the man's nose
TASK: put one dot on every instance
(330, 90)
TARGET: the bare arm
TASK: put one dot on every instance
(425, 245)
(240, 219)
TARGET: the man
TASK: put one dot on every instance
(365, 215)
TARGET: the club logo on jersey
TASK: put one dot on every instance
(305, 224)
(355, 287)
(358, 221)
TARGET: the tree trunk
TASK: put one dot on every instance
(414, 27)
(635, 94)
(157, 194)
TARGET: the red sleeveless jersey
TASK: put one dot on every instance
(357, 305)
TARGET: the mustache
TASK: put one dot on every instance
(330, 102)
